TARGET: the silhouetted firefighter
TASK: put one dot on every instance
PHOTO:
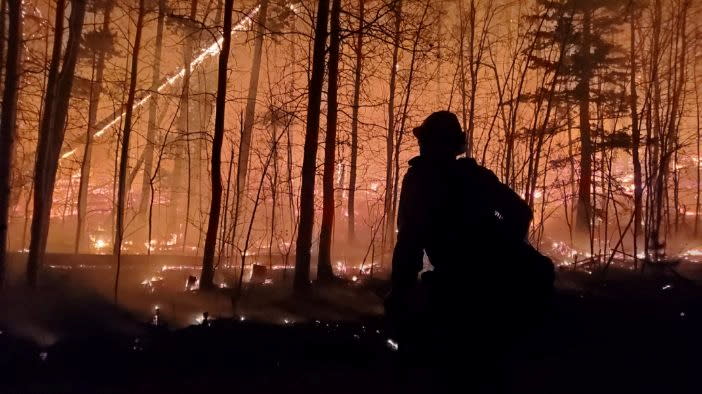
(487, 281)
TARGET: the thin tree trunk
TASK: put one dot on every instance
(52, 130)
(699, 134)
(3, 13)
(473, 67)
(390, 138)
(207, 275)
(657, 128)
(403, 120)
(8, 120)
(354, 124)
(95, 91)
(584, 210)
(309, 161)
(250, 113)
(182, 141)
(324, 266)
(152, 124)
(635, 131)
(124, 153)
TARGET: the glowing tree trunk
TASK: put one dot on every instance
(8, 119)
(152, 124)
(124, 151)
(95, 90)
(324, 266)
(309, 161)
(207, 275)
(354, 125)
(52, 130)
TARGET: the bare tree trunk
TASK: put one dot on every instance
(309, 161)
(668, 133)
(8, 119)
(152, 124)
(324, 266)
(182, 141)
(207, 275)
(652, 236)
(95, 91)
(52, 130)
(390, 138)
(473, 67)
(462, 64)
(274, 191)
(250, 114)
(124, 153)
(699, 134)
(3, 13)
(403, 120)
(354, 124)
(635, 131)
(584, 210)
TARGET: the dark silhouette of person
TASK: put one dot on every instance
(473, 230)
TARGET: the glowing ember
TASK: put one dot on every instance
(152, 284)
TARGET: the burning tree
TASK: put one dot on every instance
(579, 32)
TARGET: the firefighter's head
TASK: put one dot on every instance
(441, 135)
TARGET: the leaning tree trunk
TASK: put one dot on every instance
(95, 91)
(250, 113)
(152, 124)
(52, 130)
(584, 210)
(207, 275)
(124, 152)
(309, 161)
(354, 125)
(8, 120)
(324, 266)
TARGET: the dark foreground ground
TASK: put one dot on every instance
(626, 334)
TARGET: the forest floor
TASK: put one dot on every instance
(626, 333)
